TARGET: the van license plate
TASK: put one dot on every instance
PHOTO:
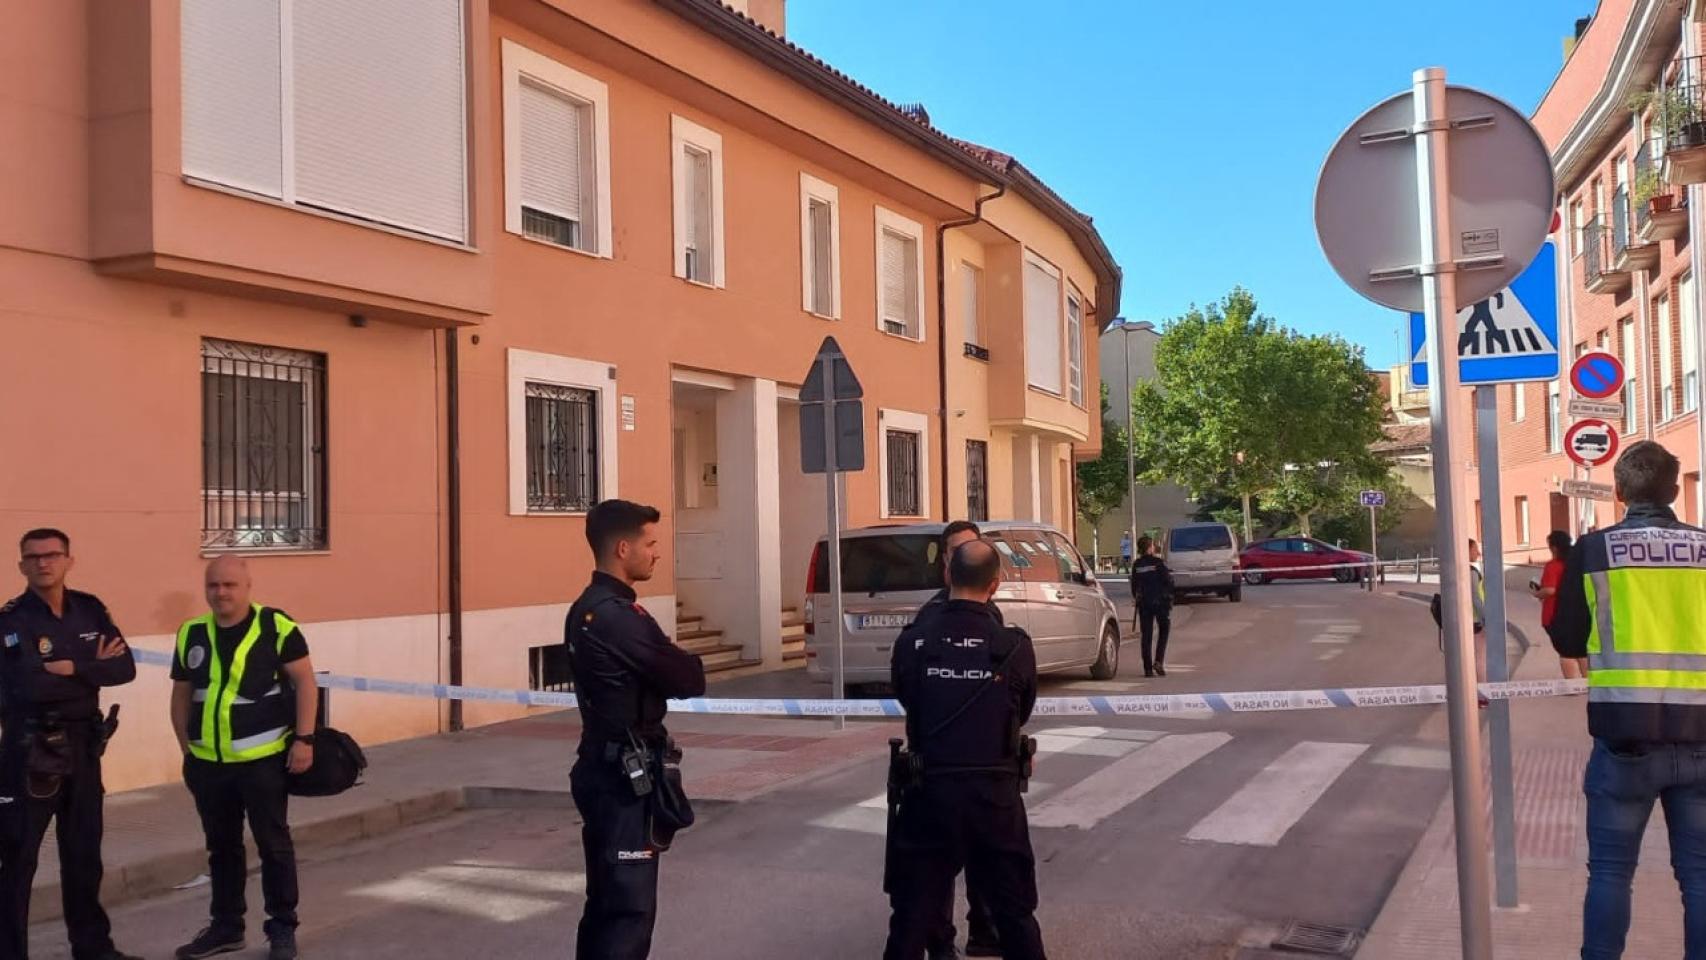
(879, 621)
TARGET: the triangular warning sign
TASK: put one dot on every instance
(1500, 326)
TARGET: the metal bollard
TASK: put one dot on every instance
(323, 704)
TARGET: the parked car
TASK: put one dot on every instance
(888, 572)
(1204, 559)
(1281, 557)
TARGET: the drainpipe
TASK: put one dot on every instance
(1697, 270)
(942, 325)
(453, 509)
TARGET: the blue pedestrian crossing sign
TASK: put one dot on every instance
(1510, 337)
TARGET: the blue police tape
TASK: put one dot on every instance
(1253, 701)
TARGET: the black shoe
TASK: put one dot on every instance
(283, 947)
(1149, 671)
(209, 942)
(1160, 671)
(976, 948)
(949, 952)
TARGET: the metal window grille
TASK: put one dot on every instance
(549, 668)
(550, 228)
(263, 447)
(903, 473)
(977, 480)
(562, 448)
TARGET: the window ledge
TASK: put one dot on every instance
(559, 246)
(901, 336)
(822, 316)
(704, 284)
(556, 514)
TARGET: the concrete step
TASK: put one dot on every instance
(707, 645)
(687, 636)
(789, 656)
(693, 622)
(795, 632)
(725, 659)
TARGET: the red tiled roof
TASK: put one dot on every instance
(1403, 438)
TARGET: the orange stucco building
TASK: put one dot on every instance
(385, 295)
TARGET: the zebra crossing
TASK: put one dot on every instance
(1087, 775)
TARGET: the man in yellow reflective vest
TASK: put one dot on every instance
(1633, 602)
(243, 705)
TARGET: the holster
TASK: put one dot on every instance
(1027, 760)
(47, 756)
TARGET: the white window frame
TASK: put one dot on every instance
(1522, 527)
(971, 302)
(1032, 257)
(888, 220)
(1577, 223)
(1688, 324)
(594, 375)
(1554, 416)
(907, 422)
(1666, 367)
(519, 61)
(1628, 351)
(1519, 402)
(1075, 346)
(811, 188)
(684, 133)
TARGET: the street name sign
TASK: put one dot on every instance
(1373, 498)
(1598, 409)
(1591, 443)
(1510, 337)
(1586, 490)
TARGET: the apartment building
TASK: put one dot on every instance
(1623, 122)
(384, 295)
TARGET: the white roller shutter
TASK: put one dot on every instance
(232, 101)
(552, 142)
(1042, 328)
(379, 111)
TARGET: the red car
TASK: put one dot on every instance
(1281, 558)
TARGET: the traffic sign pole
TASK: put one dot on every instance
(832, 545)
(1439, 293)
(1498, 671)
(1373, 548)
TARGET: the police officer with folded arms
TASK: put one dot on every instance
(968, 684)
(1633, 601)
(58, 648)
(981, 938)
(243, 708)
(625, 670)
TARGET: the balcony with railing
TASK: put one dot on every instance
(1660, 210)
(1599, 265)
(1629, 252)
(1680, 105)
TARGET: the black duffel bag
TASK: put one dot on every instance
(338, 763)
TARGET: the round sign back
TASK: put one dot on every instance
(1367, 211)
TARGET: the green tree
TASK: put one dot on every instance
(1102, 481)
(1238, 399)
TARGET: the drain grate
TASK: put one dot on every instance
(1301, 936)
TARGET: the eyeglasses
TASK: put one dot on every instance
(52, 556)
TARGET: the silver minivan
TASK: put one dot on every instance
(1204, 559)
(888, 572)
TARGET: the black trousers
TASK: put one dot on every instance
(974, 822)
(24, 816)
(621, 866)
(225, 795)
(1154, 647)
(980, 927)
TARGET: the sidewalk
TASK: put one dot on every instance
(1550, 750)
(153, 840)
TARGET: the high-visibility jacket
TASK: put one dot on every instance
(1633, 601)
(240, 710)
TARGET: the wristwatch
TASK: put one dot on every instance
(307, 738)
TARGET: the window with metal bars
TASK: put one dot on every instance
(263, 453)
(977, 480)
(903, 476)
(562, 448)
(548, 668)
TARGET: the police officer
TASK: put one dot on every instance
(1631, 602)
(243, 708)
(58, 648)
(1152, 591)
(625, 669)
(968, 684)
(981, 937)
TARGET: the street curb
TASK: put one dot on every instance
(164, 872)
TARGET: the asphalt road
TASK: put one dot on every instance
(1176, 838)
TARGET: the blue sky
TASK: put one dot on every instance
(1192, 132)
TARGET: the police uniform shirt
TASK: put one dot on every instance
(1151, 583)
(935, 604)
(625, 667)
(226, 639)
(30, 635)
(939, 665)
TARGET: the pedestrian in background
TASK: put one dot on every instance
(1546, 591)
(1632, 601)
(1125, 551)
(1152, 591)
